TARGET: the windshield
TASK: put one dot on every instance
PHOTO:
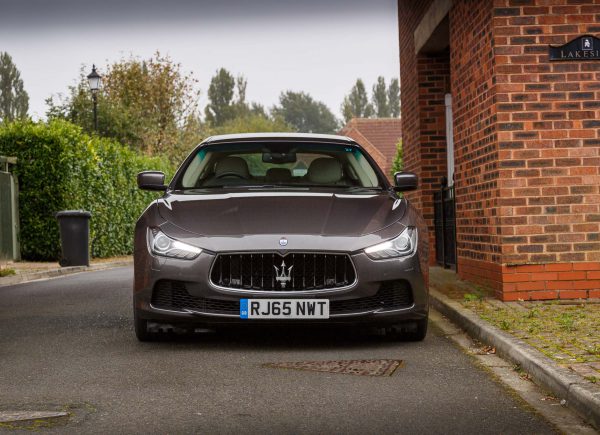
(279, 165)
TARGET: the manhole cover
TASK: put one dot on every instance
(360, 367)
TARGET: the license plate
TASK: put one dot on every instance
(284, 308)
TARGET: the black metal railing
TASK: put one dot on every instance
(445, 226)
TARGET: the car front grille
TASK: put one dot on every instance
(274, 272)
(173, 296)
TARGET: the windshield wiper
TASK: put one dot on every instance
(320, 186)
(283, 186)
(236, 186)
(356, 188)
(187, 189)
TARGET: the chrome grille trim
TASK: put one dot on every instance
(300, 282)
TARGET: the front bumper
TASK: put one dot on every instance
(372, 275)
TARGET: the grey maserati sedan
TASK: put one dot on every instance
(280, 228)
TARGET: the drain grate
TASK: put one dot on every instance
(360, 367)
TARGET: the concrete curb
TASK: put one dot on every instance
(59, 271)
(580, 395)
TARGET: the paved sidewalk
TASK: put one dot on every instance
(566, 330)
(30, 271)
(37, 266)
(547, 337)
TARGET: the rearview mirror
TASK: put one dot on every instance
(405, 181)
(151, 180)
(279, 158)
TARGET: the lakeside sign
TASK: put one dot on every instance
(585, 47)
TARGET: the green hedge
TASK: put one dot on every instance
(61, 168)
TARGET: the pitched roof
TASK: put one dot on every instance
(378, 136)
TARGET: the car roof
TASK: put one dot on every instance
(277, 136)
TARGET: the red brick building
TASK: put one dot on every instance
(515, 132)
(378, 136)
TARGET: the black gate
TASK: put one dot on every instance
(445, 226)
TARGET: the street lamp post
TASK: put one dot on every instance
(94, 82)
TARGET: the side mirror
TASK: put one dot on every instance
(151, 180)
(405, 181)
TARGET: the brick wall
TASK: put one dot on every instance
(527, 143)
(409, 15)
(549, 150)
(434, 83)
(475, 142)
(425, 80)
(551, 281)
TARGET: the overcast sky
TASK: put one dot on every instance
(317, 46)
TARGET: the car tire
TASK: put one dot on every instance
(411, 331)
(141, 328)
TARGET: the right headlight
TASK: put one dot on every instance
(401, 246)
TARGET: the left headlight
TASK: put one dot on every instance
(403, 245)
(161, 244)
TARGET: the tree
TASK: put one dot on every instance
(144, 103)
(380, 99)
(385, 101)
(253, 123)
(258, 109)
(76, 107)
(304, 113)
(227, 98)
(398, 163)
(220, 95)
(14, 101)
(356, 103)
(394, 98)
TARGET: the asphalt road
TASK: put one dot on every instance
(69, 342)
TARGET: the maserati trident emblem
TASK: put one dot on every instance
(283, 241)
(281, 277)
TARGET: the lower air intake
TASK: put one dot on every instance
(173, 296)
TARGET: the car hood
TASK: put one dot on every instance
(281, 213)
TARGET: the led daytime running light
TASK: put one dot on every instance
(165, 246)
(403, 245)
